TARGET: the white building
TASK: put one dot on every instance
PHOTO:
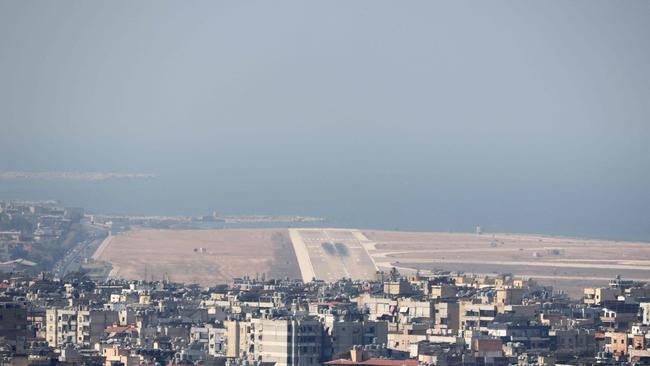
(287, 342)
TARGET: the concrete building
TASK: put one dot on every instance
(210, 338)
(476, 316)
(569, 341)
(598, 295)
(287, 342)
(443, 291)
(616, 343)
(377, 307)
(533, 336)
(409, 310)
(237, 338)
(400, 287)
(61, 327)
(447, 316)
(341, 336)
(508, 296)
(13, 326)
(645, 312)
(119, 356)
(81, 327)
(619, 315)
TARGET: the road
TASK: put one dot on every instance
(76, 256)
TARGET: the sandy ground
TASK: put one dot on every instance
(569, 264)
(178, 254)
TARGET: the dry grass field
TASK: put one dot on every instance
(566, 263)
(226, 254)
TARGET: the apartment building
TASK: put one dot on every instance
(287, 342)
(342, 335)
(598, 295)
(476, 315)
(447, 316)
(81, 327)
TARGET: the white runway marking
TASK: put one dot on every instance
(331, 254)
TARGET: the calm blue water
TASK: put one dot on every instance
(354, 201)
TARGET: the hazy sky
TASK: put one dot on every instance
(528, 115)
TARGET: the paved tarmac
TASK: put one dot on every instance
(332, 254)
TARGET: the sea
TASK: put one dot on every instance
(373, 204)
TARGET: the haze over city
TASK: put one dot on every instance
(324, 183)
(428, 116)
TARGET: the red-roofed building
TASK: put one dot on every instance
(374, 362)
(121, 329)
(360, 357)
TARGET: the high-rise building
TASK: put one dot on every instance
(287, 342)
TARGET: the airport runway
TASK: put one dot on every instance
(332, 254)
